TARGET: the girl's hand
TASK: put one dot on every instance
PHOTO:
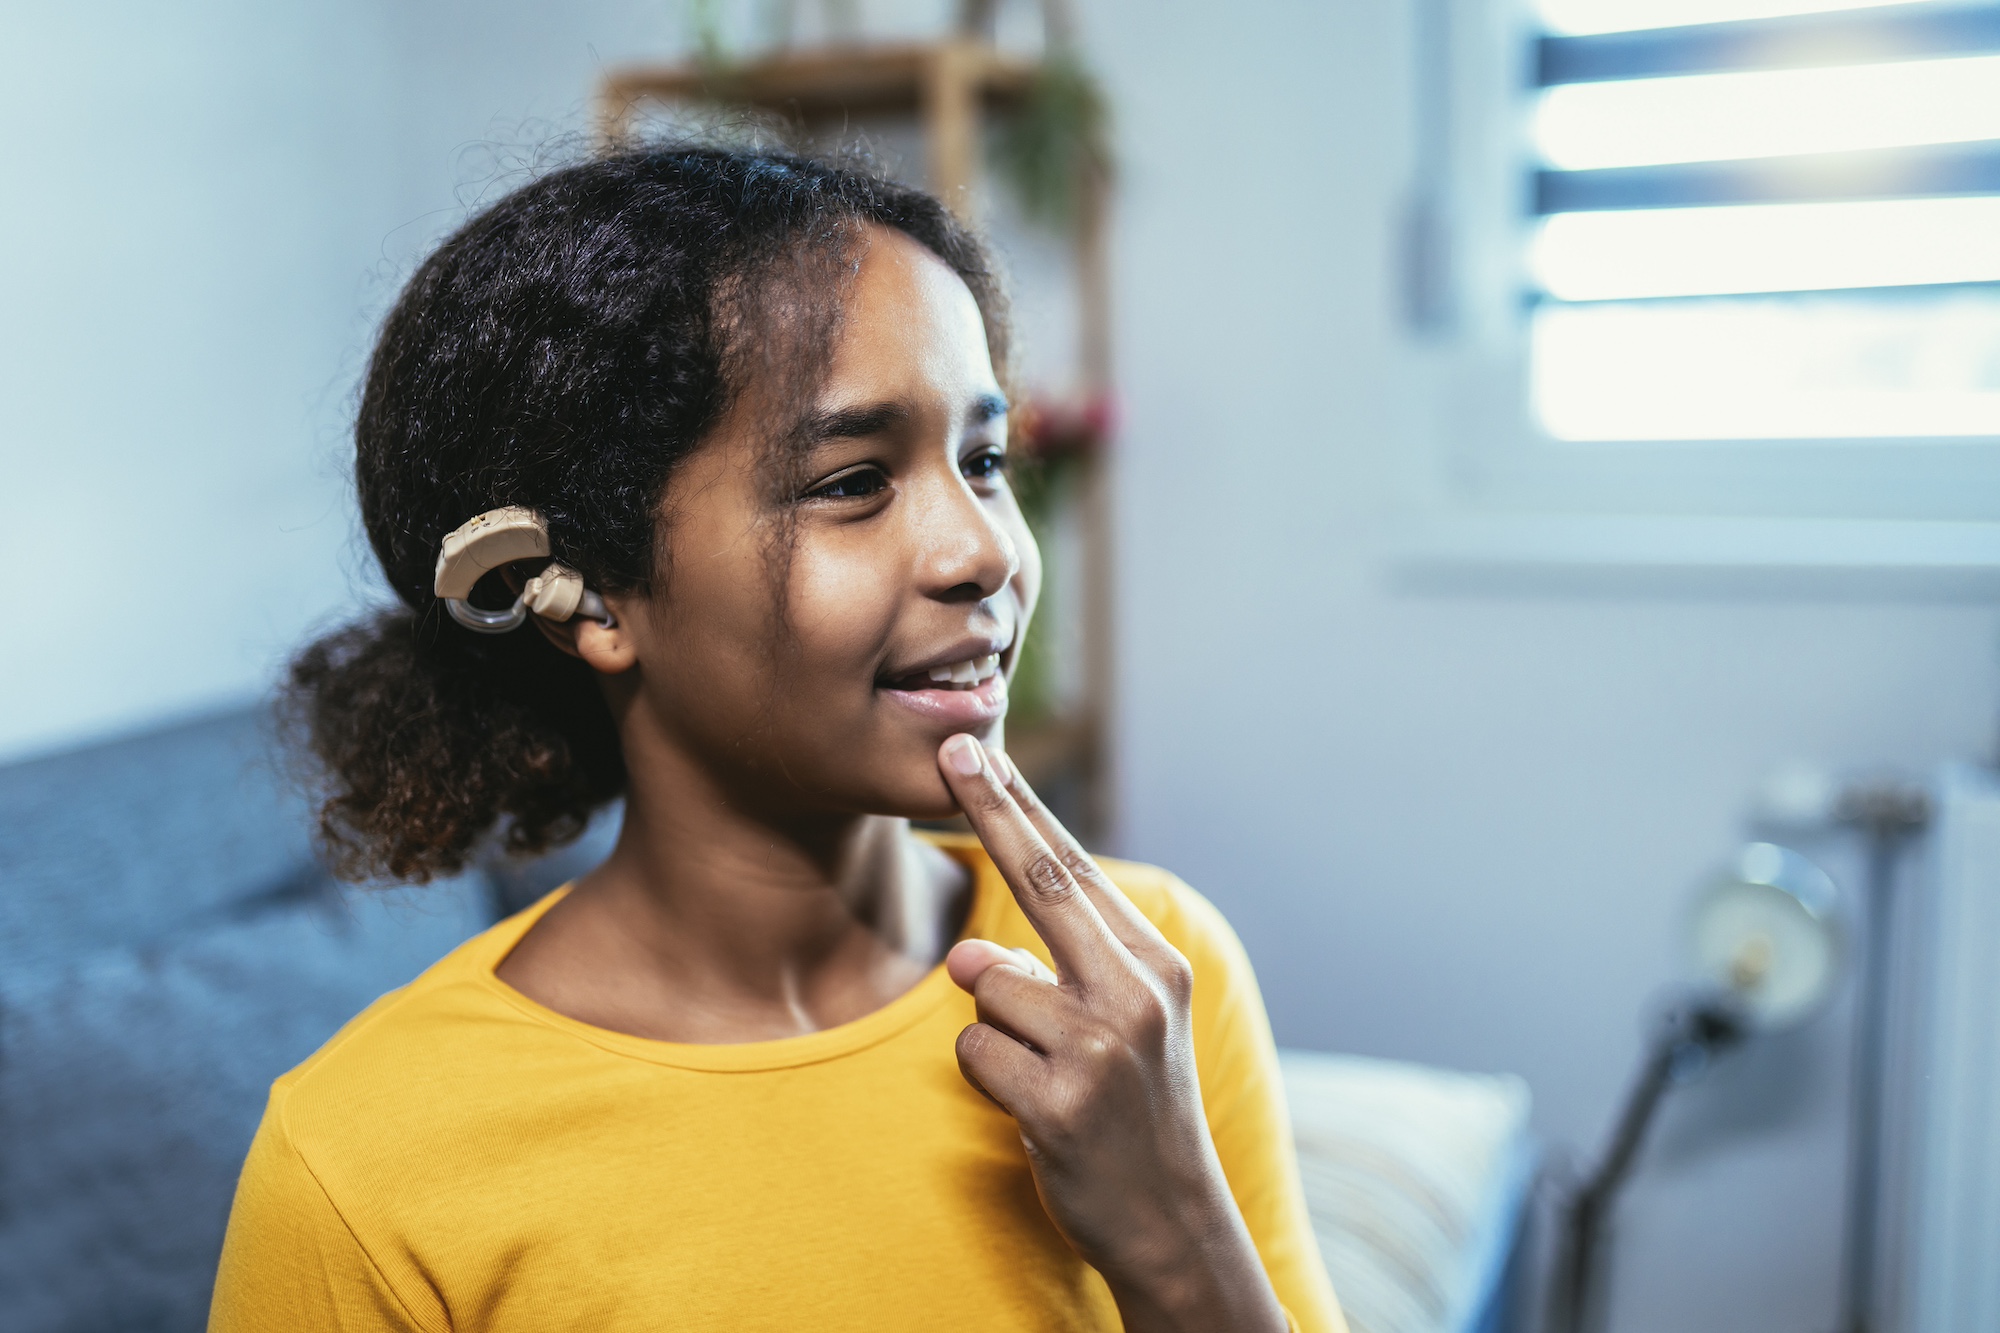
(1097, 1067)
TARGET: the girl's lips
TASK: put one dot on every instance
(957, 708)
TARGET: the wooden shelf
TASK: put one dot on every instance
(945, 84)
(830, 81)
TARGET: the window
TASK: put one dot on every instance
(1766, 220)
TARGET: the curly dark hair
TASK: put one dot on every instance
(564, 351)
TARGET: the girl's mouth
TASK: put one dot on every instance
(967, 675)
(960, 694)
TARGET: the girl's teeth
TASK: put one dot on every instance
(969, 672)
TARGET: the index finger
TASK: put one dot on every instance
(1083, 946)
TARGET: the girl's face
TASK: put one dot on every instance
(825, 676)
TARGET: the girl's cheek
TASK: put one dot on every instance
(842, 606)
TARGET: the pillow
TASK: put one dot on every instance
(1415, 1179)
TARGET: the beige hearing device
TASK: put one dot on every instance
(498, 537)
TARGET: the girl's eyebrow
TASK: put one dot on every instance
(854, 423)
(851, 423)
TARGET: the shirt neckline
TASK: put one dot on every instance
(989, 892)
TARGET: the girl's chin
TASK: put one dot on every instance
(919, 795)
(889, 771)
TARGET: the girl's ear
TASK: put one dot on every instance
(609, 649)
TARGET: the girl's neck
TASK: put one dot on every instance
(711, 922)
(763, 895)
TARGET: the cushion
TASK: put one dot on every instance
(1416, 1179)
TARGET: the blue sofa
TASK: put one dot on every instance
(169, 946)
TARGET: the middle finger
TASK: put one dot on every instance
(1119, 912)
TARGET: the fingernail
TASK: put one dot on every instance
(1003, 766)
(962, 753)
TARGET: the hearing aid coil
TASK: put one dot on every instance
(498, 537)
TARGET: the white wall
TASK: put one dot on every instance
(195, 208)
(1459, 829)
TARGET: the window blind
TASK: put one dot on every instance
(1766, 219)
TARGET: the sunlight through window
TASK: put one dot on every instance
(1768, 248)
(1768, 113)
(1772, 368)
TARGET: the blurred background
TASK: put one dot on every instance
(1498, 458)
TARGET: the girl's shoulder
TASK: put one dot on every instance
(452, 1029)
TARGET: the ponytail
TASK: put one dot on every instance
(433, 736)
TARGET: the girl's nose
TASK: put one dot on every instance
(967, 555)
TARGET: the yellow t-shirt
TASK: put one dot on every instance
(460, 1157)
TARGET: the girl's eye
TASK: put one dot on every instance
(862, 481)
(986, 465)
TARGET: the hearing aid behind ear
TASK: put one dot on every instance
(498, 537)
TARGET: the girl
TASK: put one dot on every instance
(778, 1062)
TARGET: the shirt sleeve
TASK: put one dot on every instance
(290, 1263)
(1243, 1095)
